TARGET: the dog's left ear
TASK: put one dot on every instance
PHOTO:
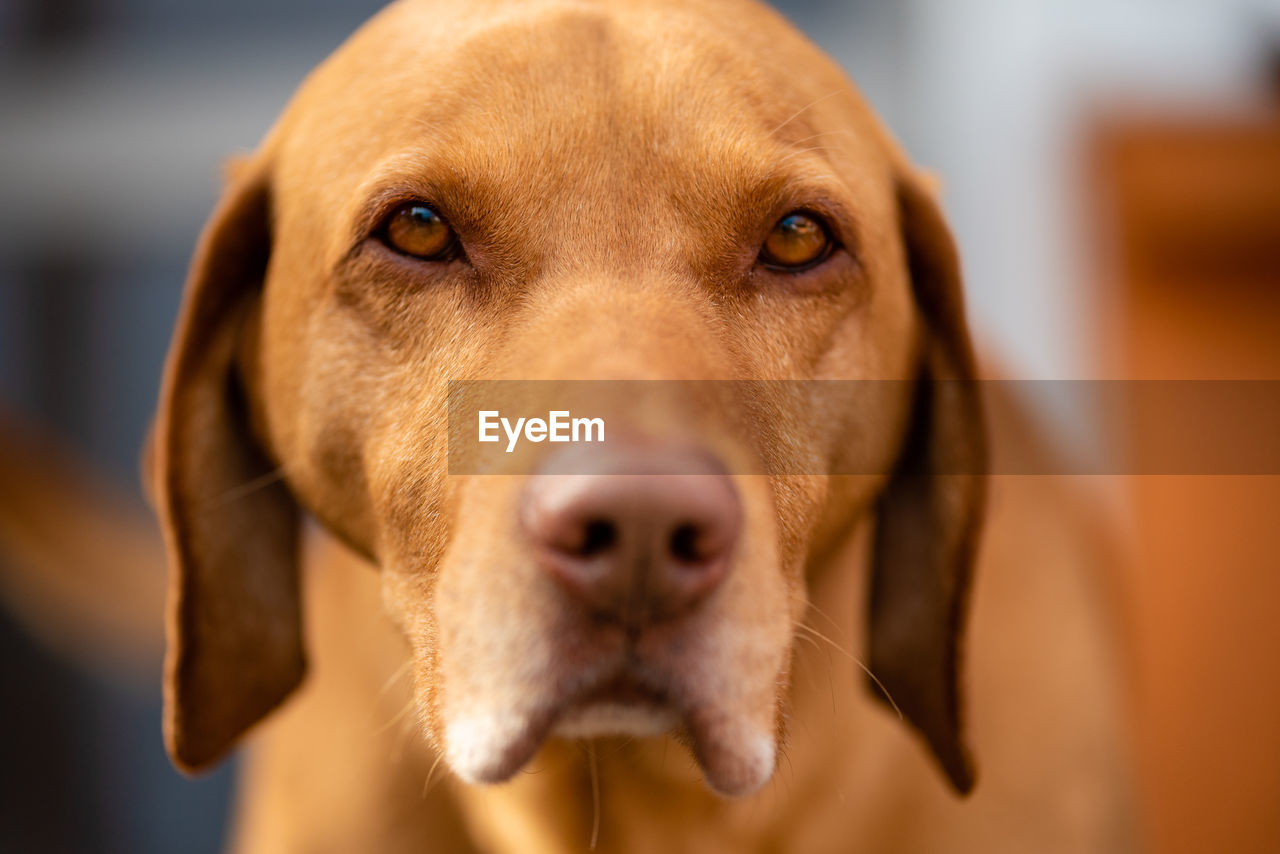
(231, 525)
(930, 512)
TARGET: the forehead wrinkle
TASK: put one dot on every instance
(646, 131)
(743, 177)
(438, 54)
(638, 81)
(536, 137)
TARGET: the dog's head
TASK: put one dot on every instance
(562, 190)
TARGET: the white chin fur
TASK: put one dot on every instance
(740, 766)
(736, 758)
(602, 719)
(476, 747)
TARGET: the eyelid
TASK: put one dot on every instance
(828, 216)
(384, 219)
(824, 222)
(401, 243)
(375, 215)
(381, 201)
(380, 213)
(831, 204)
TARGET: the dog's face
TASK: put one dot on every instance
(561, 191)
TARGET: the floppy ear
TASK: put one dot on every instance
(231, 528)
(930, 512)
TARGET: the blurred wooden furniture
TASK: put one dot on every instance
(1186, 210)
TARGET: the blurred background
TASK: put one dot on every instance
(1111, 169)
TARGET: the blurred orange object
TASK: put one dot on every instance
(1187, 211)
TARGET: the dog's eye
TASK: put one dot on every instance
(799, 241)
(414, 228)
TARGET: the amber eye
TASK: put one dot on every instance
(799, 241)
(416, 229)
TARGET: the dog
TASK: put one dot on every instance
(434, 658)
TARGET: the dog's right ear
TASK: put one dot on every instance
(231, 527)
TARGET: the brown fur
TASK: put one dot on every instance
(611, 169)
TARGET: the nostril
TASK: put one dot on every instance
(598, 536)
(686, 544)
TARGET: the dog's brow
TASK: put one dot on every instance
(766, 182)
(406, 178)
(798, 113)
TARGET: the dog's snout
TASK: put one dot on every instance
(636, 537)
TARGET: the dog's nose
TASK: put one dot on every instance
(637, 537)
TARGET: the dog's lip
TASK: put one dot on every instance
(735, 758)
(470, 742)
(623, 689)
(524, 738)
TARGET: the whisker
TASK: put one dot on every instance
(810, 640)
(824, 615)
(817, 135)
(799, 152)
(400, 671)
(403, 736)
(803, 109)
(830, 132)
(595, 794)
(867, 670)
(426, 787)
(831, 684)
(785, 782)
(235, 493)
(397, 718)
(622, 745)
(809, 675)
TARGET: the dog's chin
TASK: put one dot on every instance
(736, 759)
